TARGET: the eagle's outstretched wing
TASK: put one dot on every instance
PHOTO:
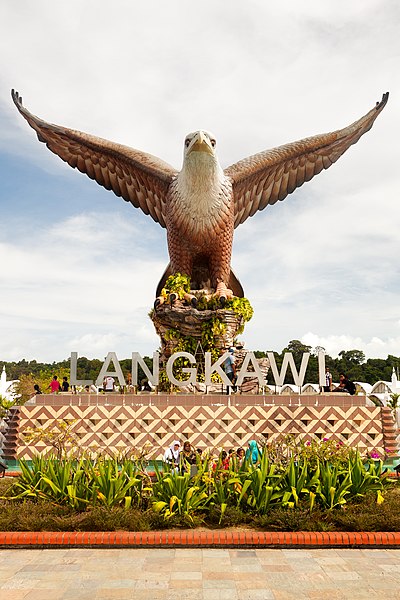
(269, 176)
(139, 178)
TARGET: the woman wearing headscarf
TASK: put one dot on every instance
(171, 455)
(253, 454)
(188, 454)
(188, 459)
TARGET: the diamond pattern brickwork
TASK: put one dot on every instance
(118, 427)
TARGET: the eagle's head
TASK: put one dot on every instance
(199, 141)
(200, 157)
(200, 190)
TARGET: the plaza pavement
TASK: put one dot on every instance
(199, 574)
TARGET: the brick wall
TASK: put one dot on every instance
(116, 422)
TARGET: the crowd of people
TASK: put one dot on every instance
(109, 386)
(55, 387)
(184, 458)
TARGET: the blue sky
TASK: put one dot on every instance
(79, 267)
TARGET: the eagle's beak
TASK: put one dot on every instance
(201, 143)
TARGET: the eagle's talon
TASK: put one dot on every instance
(222, 293)
(190, 299)
(159, 301)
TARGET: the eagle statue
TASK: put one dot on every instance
(201, 205)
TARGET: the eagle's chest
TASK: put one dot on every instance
(200, 205)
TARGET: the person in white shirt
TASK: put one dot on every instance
(171, 455)
(108, 384)
(328, 380)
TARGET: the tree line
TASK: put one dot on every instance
(351, 362)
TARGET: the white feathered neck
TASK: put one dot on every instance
(199, 184)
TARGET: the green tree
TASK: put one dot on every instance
(350, 362)
(352, 357)
(297, 348)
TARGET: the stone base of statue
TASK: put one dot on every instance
(182, 327)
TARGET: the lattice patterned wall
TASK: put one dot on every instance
(117, 428)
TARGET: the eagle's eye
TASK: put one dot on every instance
(187, 142)
(213, 143)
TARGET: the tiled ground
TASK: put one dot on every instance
(199, 574)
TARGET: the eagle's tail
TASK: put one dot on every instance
(161, 283)
(233, 283)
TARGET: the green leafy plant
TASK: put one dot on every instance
(241, 307)
(176, 494)
(5, 406)
(393, 402)
(333, 486)
(54, 480)
(260, 486)
(79, 483)
(225, 486)
(112, 485)
(365, 481)
(178, 284)
(299, 481)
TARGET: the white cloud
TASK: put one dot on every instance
(374, 347)
(77, 279)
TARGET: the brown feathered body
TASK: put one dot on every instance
(201, 205)
(200, 222)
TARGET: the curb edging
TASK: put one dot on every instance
(198, 539)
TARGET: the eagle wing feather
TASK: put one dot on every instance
(269, 176)
(136, 176)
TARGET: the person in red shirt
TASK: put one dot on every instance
(54, 385)
(222, 462)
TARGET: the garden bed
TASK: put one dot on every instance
(363, 515)
(314, 491)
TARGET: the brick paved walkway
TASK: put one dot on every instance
(199, 574)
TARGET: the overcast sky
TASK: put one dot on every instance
(79, 267)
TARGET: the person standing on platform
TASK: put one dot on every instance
(328, 380)
(55, 385)
(65, 385)
(109, 384)
(230, 369)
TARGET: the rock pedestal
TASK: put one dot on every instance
(179, 322)
(183, 327)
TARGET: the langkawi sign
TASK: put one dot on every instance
(249, 369)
